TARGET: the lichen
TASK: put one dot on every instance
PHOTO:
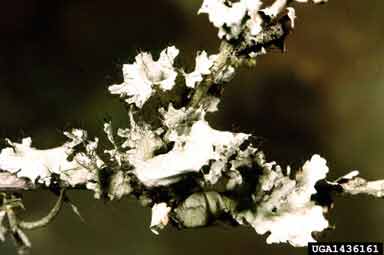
(36, 165)
(39, 166)
(203, 66)
(120, 185)
(282, 204)
(145, 73)
(160, 217)
(232, 18)
(172, 160)
(191, 151)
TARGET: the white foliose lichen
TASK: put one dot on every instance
(190, 153)
(38, 165)
(255, 21)
(141, 76)
(139, 144)
(203, 66)
(160, 217)
(291, 15)
(87, 158)
(225, 16)
(140, 141)
(114, 153)
(194, 144)
(178, 121)
(119, 185)
(225, 169)
(284, 208)
(231, 18)
(26, 161)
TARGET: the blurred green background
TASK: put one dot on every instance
(325, 95)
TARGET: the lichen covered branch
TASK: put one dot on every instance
(352, 184)
(170, 158)
(361, 186)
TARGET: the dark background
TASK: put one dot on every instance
(323, 96)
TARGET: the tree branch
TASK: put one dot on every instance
(171, 160)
